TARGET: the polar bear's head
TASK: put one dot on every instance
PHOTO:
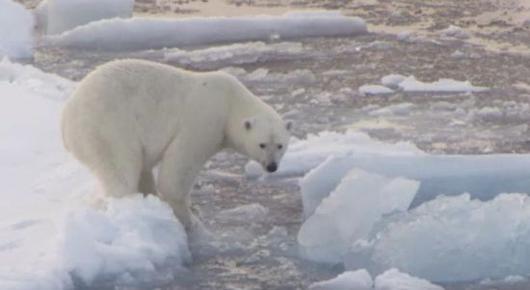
(266, 140)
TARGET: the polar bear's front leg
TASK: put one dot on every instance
(180, 165)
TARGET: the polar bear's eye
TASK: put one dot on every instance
(280, 146)
(262, 145)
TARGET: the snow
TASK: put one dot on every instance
(370, 90)
(16, 30)
(357, 280)
(411, 84)
(453, 239)
(63, 15)
(304, 155)
(350, 211)
(53, 236)
(393, 279)
(148, 33)
(236, 54)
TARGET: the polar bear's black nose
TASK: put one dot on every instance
(272, 167)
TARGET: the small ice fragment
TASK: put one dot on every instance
(350, 280)
(392, 80)
(395, 280)
(372, 90)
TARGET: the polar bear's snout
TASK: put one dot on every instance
(272, 167)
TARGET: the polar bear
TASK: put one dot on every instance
(128, 116)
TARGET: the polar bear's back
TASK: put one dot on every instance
(135, 101)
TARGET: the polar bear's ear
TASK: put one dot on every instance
(249, 123)
(289, 125)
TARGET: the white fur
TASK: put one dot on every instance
(128, 116)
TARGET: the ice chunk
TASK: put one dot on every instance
(393, 80)
(410, 84)
(350, 280)
(483, 176)
(350, 211)
(63, 15)
(148, 33)
(453, 239)
(304, 155)
(371, 90)
(362, 280)
(393, 279)
(16, 30)
(237, 54)
(455, 32)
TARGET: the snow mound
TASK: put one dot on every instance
(129, 238)
(349, 213)
(362, 280)
(371, 90)
(358, 280)
(16, 30)
(237, 54)
(453, 239)
(411, 84)
(304, 155)
(62, 15)
(393, 279)
(125, 242)
(34, 80)
(145, 33)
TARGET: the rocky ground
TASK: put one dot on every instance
(319, 91)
